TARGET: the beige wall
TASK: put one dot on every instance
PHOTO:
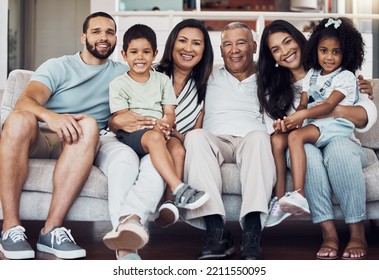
(58, 28)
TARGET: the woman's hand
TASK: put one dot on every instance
(365, 87)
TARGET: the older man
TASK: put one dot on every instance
(233, 131)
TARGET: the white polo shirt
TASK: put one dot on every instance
(232, 106)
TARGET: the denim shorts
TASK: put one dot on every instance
(332, 128)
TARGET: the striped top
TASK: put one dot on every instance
(188, 110)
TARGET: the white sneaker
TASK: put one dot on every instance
(275, 214)
(294, 203)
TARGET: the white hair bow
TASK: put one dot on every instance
(336, 23)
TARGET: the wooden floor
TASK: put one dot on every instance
(291, 240)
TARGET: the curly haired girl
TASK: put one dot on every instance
(334, 51)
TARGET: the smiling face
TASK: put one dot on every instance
(188, 48)
(329, 55)
(139, 56)
(238, 48)
(100, 37)
(285, 50)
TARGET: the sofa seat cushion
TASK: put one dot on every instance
(41, 176)
(232, 185)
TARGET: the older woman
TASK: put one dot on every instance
(188, 60)
(335, 169)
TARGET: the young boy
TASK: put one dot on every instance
(150, 94)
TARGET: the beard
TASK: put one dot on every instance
(92, 49)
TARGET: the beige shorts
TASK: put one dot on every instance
(48, 145)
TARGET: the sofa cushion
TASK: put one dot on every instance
(232, 186)
(41, 176)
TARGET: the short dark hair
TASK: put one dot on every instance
(97, 14)
(139, 31)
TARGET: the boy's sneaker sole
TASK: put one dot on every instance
(198, 203)
(168, 215)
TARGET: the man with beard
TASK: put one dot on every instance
(59, 115)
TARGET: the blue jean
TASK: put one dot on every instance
(335, 169)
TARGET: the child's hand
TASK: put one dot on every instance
(163, 127)
(279, 126)
(294, 121)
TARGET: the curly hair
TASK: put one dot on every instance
(275, 90)
(352, 45)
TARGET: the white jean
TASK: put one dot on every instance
(134, 185)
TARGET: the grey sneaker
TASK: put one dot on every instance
(275, 215)
(60, 243)
(189, 198)
(13, 244)
(294, 203)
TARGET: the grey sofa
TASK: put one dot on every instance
(92, 204)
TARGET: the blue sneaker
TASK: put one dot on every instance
(60, 243)
(13, 244)
(132, 256)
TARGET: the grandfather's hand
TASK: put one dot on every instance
(130, 121)
(66, 127)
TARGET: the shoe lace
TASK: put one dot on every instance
(15, 233)
(275, 209)
(61, 235)
(292, 193)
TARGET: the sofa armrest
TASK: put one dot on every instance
(16, 83)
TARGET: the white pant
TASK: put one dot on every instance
(205, 153)
(134, 186)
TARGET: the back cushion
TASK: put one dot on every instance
(16, 83)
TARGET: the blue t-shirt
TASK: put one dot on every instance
(79, 88)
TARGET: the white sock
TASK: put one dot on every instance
(177, 188)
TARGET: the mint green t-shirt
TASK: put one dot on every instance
(145, 99)
(79, 88)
